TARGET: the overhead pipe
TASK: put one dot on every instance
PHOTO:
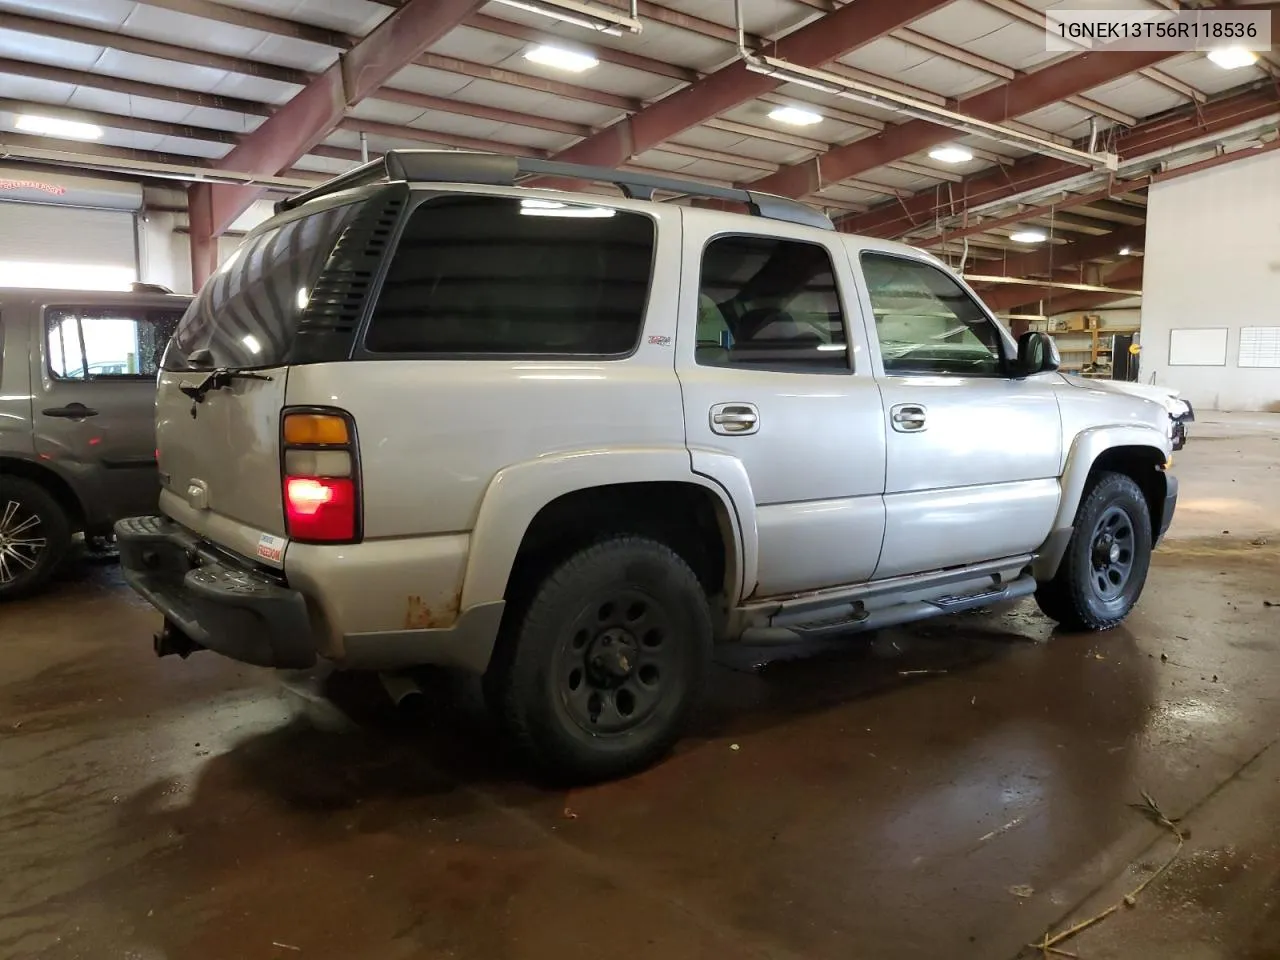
(150, 168)
(838, 86)
(1050, 285)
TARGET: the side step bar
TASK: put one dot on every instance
(892, 616)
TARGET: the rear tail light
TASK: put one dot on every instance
(321, 482)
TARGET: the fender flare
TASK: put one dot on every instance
(1086, 448)
(518, 493)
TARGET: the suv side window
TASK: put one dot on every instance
(926, 323)
(104, 343)
(765, 302)
(508, 276)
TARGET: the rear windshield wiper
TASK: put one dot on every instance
(216, 381)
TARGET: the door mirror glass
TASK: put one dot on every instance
(1037, 353)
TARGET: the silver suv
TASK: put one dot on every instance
(77, 420)
(570, 442)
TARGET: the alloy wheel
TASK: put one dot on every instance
(21, 543)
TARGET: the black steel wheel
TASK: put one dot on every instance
(34, 537)
(1106, 563)
(600, 672)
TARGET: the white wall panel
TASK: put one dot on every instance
(1212, 259)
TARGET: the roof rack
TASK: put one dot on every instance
(495, 169)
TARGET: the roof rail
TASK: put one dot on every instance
(495, 169)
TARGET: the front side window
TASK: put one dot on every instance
(769, 302)
(494, 276)
(926, 323)
(103, 343)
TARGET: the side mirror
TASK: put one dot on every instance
(1037, 353)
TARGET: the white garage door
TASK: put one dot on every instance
(96, 243)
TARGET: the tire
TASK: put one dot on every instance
(35, 535)
(597, 675)
(1105, 567)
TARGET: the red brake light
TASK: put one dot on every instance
(320, 508)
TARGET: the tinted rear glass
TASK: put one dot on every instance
(247, 314)
(502, 275)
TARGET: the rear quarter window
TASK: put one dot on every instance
(248, 312)
(510, 276)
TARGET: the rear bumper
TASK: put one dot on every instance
(216, 603)
(239, 611)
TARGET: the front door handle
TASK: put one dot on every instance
(735, 418)
(72, 411)
(908, 417)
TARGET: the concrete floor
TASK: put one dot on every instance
(843, 805)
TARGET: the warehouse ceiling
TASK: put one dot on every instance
(190, 84)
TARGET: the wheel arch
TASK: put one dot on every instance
(50, 480)
(1139, 452)
(541, 508)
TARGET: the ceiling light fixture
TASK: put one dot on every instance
(612, 22)
(950, 154)
(561, 58)
(1125, 251)
(1232, 58)
(795, 116)
(54, 127)
(1028, 236)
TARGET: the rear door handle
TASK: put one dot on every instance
(735, 418)
(908, 417)
(72, 411)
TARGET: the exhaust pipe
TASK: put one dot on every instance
(401, 688)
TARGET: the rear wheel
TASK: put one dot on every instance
(1105, 567)
(34, 537)
(598, 676)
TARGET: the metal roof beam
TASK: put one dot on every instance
(1043, 262)
(997, 105)
(817, 43)
(76, 33)
(133, 88)
(1003, 299)
(1038, 173)
(305, 120)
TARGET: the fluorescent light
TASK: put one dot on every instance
(303, 298)
(53, 127)
(252, 342)
(601, 24)
(795, 116)
(553, 208)
(1232, 58)
(1125, 251)
(1028, 236)
(950, 155)
(65, 276)
(561, 59)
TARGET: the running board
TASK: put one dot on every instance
(865, 620)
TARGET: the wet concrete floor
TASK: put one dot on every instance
(952, 790)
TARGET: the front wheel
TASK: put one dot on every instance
(34, 537)
(1105, 567)
(600, 673)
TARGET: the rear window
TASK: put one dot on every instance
(504, 275)
(247, 314)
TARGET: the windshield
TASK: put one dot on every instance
(247, 314)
